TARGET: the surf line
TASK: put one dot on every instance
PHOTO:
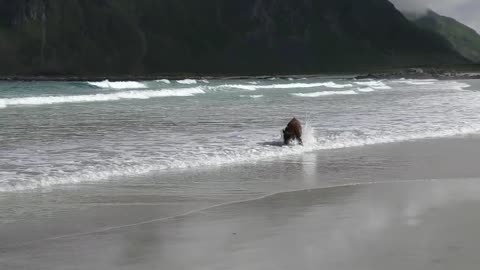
(186, 214)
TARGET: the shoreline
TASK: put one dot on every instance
(423, 74)
(391, 197)
(165, 76)
(440, 73)
(96, 206)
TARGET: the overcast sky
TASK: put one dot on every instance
(464, 11)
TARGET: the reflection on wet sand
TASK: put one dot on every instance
(397, 225)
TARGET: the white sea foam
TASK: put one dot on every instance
(251, 87)
(146, 94)
(284, 86)
(417, 82)
(377, 85)
(118, 85)
(403, 116)
(187, 81)
(325, 93)
(336, 85)
(456, 85)
(228, 156)
(251, 96)
(434, 84)
(365, 89)
(164, 81)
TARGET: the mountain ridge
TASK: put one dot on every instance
(117, 37)
(463, 38)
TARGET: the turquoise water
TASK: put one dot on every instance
(65, 133)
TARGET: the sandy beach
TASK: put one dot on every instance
(409, 205)
(239, 135)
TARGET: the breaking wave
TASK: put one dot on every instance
(417, 81)
(187, 81)
(377, 85)
(237, 145)
(118, 85)
(164, 81)
(253, 153)
(253, 87)
(453, 85)
(365, 89)
(251, 96)
(324, 93)
(146, 94)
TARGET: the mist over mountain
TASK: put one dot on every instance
(417, 7)
(463, 38)
(144, 37)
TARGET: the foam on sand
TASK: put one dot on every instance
(324, 93)
(146, 94)
(118, 85)
(254, 152)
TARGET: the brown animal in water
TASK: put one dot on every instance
(292, 132)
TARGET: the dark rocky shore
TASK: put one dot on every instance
(169, 76)
(410, 73)
(425, 73)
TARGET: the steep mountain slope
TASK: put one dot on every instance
(463, 38)
(114, 37)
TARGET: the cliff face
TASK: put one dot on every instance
(464, 39)
(115, 37)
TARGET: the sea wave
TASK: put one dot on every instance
(118, 85)
(145, 94)
(251, 96)
(456, 85)
(253, 87)
(187, 81)
(253, 153)
(377, 85)
(164, 81)
(325, 93)
(365, 89)
(417, 81)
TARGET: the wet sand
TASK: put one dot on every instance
(411, 205)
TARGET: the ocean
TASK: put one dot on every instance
(192, 174)
(63, 134)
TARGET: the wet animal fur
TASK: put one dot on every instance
(292, 132)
